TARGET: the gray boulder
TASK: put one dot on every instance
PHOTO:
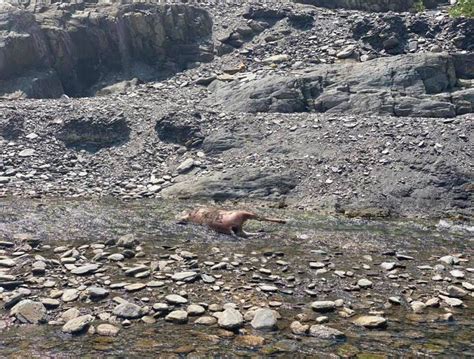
(232, 185)
(28, 311)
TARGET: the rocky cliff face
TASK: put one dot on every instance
(374, 5)
(70, 50)
(425, 85)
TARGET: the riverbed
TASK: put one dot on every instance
(399, 270)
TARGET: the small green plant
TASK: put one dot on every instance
(463, 8)
(418, 6)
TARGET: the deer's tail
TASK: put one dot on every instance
(270, 219)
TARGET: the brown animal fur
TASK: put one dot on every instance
(222, 221)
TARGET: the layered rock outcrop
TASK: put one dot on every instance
(375, 5)
(423, 85)
(71, 49)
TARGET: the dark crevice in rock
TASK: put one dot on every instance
(180, 128)
(11, 125)
(82, 134)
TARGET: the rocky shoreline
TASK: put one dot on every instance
(309, 288)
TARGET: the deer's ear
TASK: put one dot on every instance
(183, 217)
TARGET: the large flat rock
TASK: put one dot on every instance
(413, 85)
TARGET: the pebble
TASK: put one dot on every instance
(116, 257)
(249, 341)
(195, 309)
(50, 303)
(206, 320)
(417, 306)
(456, 292)
(457, 273)
(177, 316)
(78, 324)
(134, 287)
(86, 269)
(452, 302)
(323, 306)
(299, 329)
(70, 295)
(324, 332)
(107, 330)
(230, 319)
(264, 319)
(364, 283)
(388, 266)
(371, 321)
(97, 292)
(28, 311)
(184, 276)
(176, 299)
(69, 314)
(128, 311)
(9, 263)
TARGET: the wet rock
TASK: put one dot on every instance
(264, 319)
(155, 284)
(175, 299)
(38, 268)
(268, 288)
(195, 309)
(449, 260)
(50, 303)
(128, 311)
(456, 292)
(134, 271)
(323, 306)
(28, 311)
(70, 295)
(86, 269)
(107, 330)
(97, 292)
(70, 314)
(230, 319)
(432, 302)
(468, 286)
(324, 332)
(127, 241)
(364, 283)
(249, 340)
(417, 306)
(456, 273)
(388, 266)
(78, 325)
(299, 329)
(135, 287)
(116, 257)
(322, 319)
(177, 316)
(8, 263)
(184, 276)
(371, 321)
(206, 320)
(452, 302)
